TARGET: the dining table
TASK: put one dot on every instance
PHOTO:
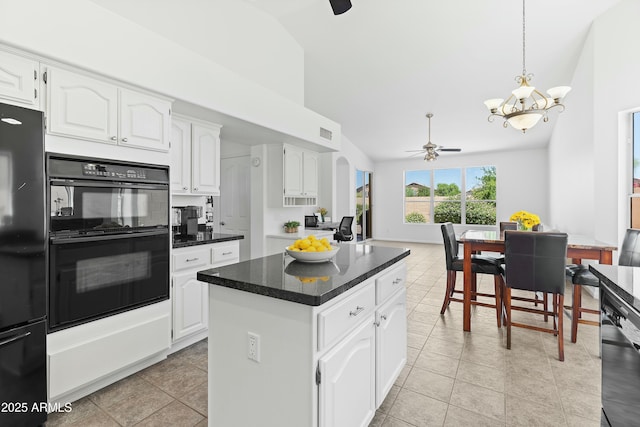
(578, 248)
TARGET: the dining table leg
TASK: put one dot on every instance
(466, 300)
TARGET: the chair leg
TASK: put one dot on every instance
(497, 284)
(575, 311)
(474, 287)
(559, 309)
(506, 297)
(545, 303)
(555, 311)
(451, 280)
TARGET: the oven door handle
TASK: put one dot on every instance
(106, 237)
(106, 184)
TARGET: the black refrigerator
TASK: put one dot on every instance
(23, 374)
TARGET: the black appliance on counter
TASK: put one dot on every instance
(23, 375)
(620, 337)
(108, 237)
(185, 223)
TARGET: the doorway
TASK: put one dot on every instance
(364, 217)
(235, 201)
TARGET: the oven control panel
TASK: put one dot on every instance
(112, 171)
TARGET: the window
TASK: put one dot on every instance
(635, 184)
(437, 196)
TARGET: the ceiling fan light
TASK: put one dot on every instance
(493, 104)
(525, 120)
(558, 92)
(523, 91)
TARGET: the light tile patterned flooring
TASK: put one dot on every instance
(452, 378)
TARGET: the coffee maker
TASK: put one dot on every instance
(185, 221)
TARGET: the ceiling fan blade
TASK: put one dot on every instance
(450, 149)
(418, 153)
(414, 151)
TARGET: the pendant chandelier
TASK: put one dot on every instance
(526, 105)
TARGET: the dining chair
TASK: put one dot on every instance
(580, 275)
(535, 262)
(480, 264)
(344, 232)
(508, 225)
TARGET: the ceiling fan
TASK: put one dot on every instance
(430, 149)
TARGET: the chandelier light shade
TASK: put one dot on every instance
(526, 105)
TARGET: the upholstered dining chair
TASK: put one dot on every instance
(344, 232)
(580, 275)
(535, 262)
(480, 264)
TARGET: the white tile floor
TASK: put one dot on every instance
(452, 378)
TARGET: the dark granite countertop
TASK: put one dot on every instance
(621, 280)
(204, 238)
(280, 276)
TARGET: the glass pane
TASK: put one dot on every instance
(445, 211)
(635, 212)
(417, 191)
(481, 212)
(447, 189)
(481, 183)
(636, 152)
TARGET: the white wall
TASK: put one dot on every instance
(522, 179)
(588, 143)
(232, 33)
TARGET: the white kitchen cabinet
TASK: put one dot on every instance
(83, 107)
(347, 391)
(391, 343)
(293, 176)
(195, 157)
(19, 80)
(190, 296)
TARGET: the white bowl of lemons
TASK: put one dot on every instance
(312, 249)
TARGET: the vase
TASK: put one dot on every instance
(523, 227)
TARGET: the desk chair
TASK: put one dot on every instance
(581, 276)
(344, 233)
(480, 264)
(535, 262)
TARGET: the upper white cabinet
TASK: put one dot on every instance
(195, 157)
(19, 80)
(293, 176)
(83, 107)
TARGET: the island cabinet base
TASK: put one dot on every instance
(317, 366)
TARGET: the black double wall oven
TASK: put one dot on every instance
(108, 237)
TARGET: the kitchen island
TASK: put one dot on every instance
(295, 344)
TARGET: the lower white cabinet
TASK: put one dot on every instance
(347, 394)
(190, 296)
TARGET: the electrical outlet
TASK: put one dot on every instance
(253, 346)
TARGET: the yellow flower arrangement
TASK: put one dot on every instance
(526, 220)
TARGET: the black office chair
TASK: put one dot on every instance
(480, 264)
(580, 275)
(535, 262)
(344, 233)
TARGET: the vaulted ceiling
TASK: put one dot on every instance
(381, 66)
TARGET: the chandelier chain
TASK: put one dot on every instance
(524, 68)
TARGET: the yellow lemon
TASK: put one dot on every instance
(310, 249)
(311, 237)
(304, 244)
(321, 248)
(324, 241)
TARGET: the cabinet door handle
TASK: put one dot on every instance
(357, 311)
(124, 139)
(226, 253)
(114, 138)
(191, 259)
(195, 188)
(185, 188)
(398, 280)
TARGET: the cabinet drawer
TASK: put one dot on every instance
(342, 317)
(190, 259)
(224, 254)
(390, 282)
